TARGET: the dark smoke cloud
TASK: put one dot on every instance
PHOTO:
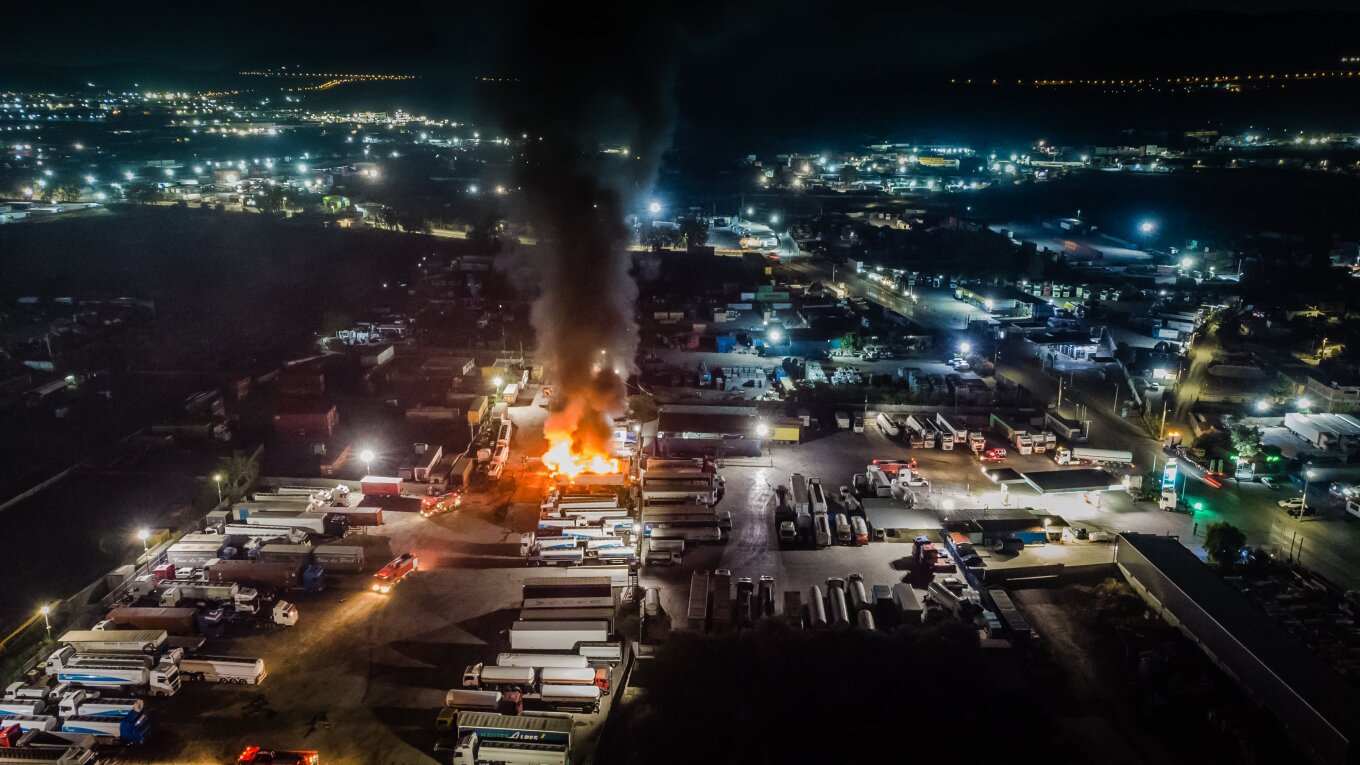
(588, 80)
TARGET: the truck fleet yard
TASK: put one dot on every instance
(429, 636)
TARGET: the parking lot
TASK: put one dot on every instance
(362, 676)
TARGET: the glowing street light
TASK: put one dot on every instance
(367, 456)
(217, 479)
(774, 218)
(750, 211)
(46, 612)
(762, 430)
(496, 383)
(775, 336)
(1305, 403)
(654, 207)
(1187, 262)
(1262, 405)
(966, 347)
(144, 535)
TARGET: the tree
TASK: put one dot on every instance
(849, 342)
(694, 232)
(485, 234)
(239, 472)
(388, 217)
(1223, 542)
(1246, 440)
(849, 174)
(66, 192)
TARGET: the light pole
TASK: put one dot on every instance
(1116, 399)
(46, 612)
(367, 456)
(144, 535)
(1307, 476)
(217, 479)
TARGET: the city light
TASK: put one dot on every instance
(654, 207)
(1147, 227)
(144, 535)
(966, 347)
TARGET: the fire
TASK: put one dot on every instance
(563, 457)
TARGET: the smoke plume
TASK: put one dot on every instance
(594, 98)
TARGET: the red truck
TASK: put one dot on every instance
(392, 574)
(378, 486)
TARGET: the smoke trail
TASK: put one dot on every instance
(578, 94)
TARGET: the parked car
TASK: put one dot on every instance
(1270, 482)
(1291, 503)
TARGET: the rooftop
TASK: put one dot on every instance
(1081, 479)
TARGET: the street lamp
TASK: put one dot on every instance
(1307, 476)
(775, 336)
(46, 612)
(367, 456)
(1305, 403)
(654, 208)
(966, 347)
(774, 218)
(1147, 227)
(1262, 405)
(217, 479)
(144, 535)
(762, 430)
(750, 211)
(496, 382)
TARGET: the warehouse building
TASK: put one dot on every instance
(717, 431)
(1314, 703)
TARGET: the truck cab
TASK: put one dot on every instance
(392, 574)
(440, 503)
(254, 755)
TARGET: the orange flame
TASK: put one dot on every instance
(562, 457)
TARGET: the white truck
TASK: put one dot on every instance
(162, 680)
(497, 678)
(237, 670)
(555, 635)
(170, 593)
(1064, 456)
(887, 425)
(81, 702)
(540, 660)
(916, 425)
(954, 425)
(1013, 433)
(149, 642)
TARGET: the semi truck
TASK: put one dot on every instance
(281, 575)
(1014, 434)
(380, 486)
(555, 635)
(596, 676)
(919, 430)
(497, 678)
(952, 424)
(696, 611)
(977, 441)
(237, 670)
(162, 680)
(887, 425)
(336, 557)
(356, 517)
(311, 521)
(910, 610)
(582, 699)
(175, 621)
(540, 660)
(721, 610)
(137, 642)
(193, 554)
(81, 702)
(130, 728)
(1064, 456)
(1071, 431)
(254, 534)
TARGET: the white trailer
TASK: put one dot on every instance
(236, 670)
(473, 749)
(887, 425)
(163, 680)
(79, 702)
(541, 660)
(527, 636)
(1064, 456)
(498, 678)
(584, 699)
(115, 641)
(919, 427)
(26, 707)
(30, 722)
(952, 424)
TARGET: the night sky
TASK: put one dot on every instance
(783, 70)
